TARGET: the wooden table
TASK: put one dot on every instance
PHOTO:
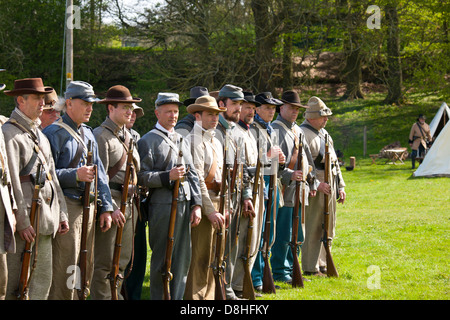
(395, 155)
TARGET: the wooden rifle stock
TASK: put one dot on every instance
(219, 264)
(167, 276)
(83, 291)
(248, 292)
(22, 291)
(115, 277)
(326, 239)
(268, 283)
(297, 279)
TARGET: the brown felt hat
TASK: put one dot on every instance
(119, 94)
(205, 103)
(292, 97)
(27, 86)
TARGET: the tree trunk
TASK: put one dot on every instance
(394, 75)
(351, 73)
(265, 41)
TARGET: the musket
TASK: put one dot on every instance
(248, 292)
(219, 263)
(167, 276)
(268, 283)
(114, 276)
(25, 273)
(83, 291)
(326, 239)
(297, 279)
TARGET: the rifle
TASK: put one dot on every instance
(83, 291)
(297, 279)
(248, 291)
(22, 291)
(331, 268)
(219, 263)
(114, 276)
(166, 274)
(268, 283)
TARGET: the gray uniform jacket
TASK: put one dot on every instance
(157, 159)
(7, 203)
(287, 144)
(23, 157)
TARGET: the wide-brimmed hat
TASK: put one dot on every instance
(232, 92)
(267, 98)
(250, 97)
(138, 110)
(205, 103)
(50, 100)
(292, 97)
(81, 90)
(118, 94)
(195, 93)
(27, 86)
(317, 108)
(166, 98)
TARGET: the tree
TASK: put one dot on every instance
(394, 72)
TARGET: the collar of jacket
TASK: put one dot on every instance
(67, 120)
(225, 123)
(287, 123)
(112, 125)
(23, 119)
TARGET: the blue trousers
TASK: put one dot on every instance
(258, 266)
(282, 259)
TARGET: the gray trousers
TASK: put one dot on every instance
(66, 251)
(41, 278)
(313, 253)
(104, 251)
(158, 223)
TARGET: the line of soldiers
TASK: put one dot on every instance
(235, 168)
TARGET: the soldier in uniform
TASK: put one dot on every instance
(289, 135)
(114, 141)
(132, 284)
(159, 151)
(185, 125)
(273, 163)
(69, 138)
(250, 154)
(50, 114)
(8, 208)
(313, 254)
(27, 147)
(207, 154)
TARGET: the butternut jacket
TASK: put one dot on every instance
(7, 203)
(111, 150)
(419, 134)
(23, 157)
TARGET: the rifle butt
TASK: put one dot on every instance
(297, 278)
(268, 283)
(331, 267)
(219, 291)
(248, 292)
(166, 289)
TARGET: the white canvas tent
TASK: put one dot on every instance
(440, 120)
(437, 161)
